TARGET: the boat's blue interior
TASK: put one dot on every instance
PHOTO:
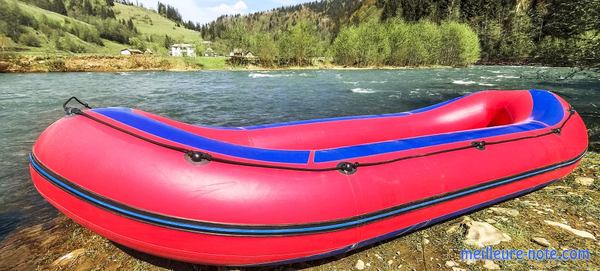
(547, 111)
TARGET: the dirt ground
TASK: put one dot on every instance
(63, 245)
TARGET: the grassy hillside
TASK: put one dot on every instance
(26, 29)
(153, 27)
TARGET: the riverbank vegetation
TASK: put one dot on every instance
(397, 43)
(328, 33)
(405, 32)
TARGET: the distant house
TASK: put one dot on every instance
(239, 57)
(128, 51)
(183, 49)
(210, 52)
(236, 53)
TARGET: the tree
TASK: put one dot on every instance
(299, 43)
(59, 7)
(516, 44)
(88, 9)
(345, 46)
(168, 42)
(264, 47)
(137, 43)
(460, 45)
(374, 47)
(161, 9)
(237, 37)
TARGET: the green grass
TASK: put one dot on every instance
(153, 26)
(212, 63)
(38, 12)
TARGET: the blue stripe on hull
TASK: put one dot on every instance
(174, 134)
(215, 228)
(410, 229)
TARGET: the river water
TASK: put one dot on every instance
(30, 102)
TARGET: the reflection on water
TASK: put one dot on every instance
(30, 102)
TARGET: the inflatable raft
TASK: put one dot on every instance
(301, 190)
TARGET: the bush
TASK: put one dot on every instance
(406, 44)
(460, 45)
(299, 44)
(30, 39)
(374, 47)
(265, 49)
(13, 20)
(56, 65)
(345, 47)
(112, 29)
(137, 43)
(69, 44)
(84, 32)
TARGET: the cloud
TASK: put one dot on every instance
(287, 2)
(236, 8)
(201, 11)
(210, 13)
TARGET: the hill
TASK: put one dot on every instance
(153, 28)
(91, 27)
(554, 32)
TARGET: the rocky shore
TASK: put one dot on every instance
(112, 63)
(565, 215)
(94, 63)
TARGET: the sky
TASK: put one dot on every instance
(204, 11)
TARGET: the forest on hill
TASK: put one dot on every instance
(90, 26)
(357, 33)
(415, 33)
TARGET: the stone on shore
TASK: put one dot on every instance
(579, 233)
(483, 234)
(585, 181)
(68, 258)
(360, 265)
(541, 241)
(490, 265)
(505, 211)
(450, 264)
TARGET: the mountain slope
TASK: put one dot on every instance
(553, 32)
(104, 28)
(327, 15)
(153, 27)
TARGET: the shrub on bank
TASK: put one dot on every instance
(56, 65)
(459, 45)
(397, 43)
(30, 39)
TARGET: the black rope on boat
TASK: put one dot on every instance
(73, 110)
(347, 168)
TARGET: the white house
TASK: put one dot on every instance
(128, 52)
(183, 49)
(210, 52)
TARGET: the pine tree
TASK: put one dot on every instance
(59, 7)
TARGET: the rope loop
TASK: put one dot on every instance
(197, 156)
(480, 145)
(74, 110)
(347, 168)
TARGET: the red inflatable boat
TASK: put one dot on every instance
(301, 190)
